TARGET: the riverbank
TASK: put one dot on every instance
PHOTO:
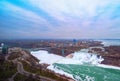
(111, 54)
(21, 65)
(78, 63)
(62, 54)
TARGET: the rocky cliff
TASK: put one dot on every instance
(20, 65)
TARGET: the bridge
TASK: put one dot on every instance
(46, 49)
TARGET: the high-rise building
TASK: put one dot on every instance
(4, 48)
(74, 41)
(63, 52)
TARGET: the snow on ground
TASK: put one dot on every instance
(46, 57)
(78, 58)
(49, 58)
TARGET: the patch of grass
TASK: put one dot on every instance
(20, 77)
(40, 71)
(7, 69)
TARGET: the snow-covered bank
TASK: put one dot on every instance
(49, 58)
(78, 58)
(81, 58)
(46, 57)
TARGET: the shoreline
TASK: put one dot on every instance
(70, 56)
(111, 55)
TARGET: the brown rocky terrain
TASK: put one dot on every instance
(67, 50)
(27, 68)
(111, 55)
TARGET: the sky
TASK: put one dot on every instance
(59, 19)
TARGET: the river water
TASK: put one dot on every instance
(83, 66)
(86, 72)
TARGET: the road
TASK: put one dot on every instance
(21, 70)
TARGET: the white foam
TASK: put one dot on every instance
(81, 58)
(87, 78)
(78, 58)
(108, 66)
(56, 70)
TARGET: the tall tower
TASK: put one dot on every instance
(4, 48)
(74, 41)
(63, 52)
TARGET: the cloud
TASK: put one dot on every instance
(74, 8)
(64, 19)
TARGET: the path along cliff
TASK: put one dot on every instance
(18, 56)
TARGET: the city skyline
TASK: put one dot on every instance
(59, 19)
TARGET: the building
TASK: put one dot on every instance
(74, 41)
(4, 49)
